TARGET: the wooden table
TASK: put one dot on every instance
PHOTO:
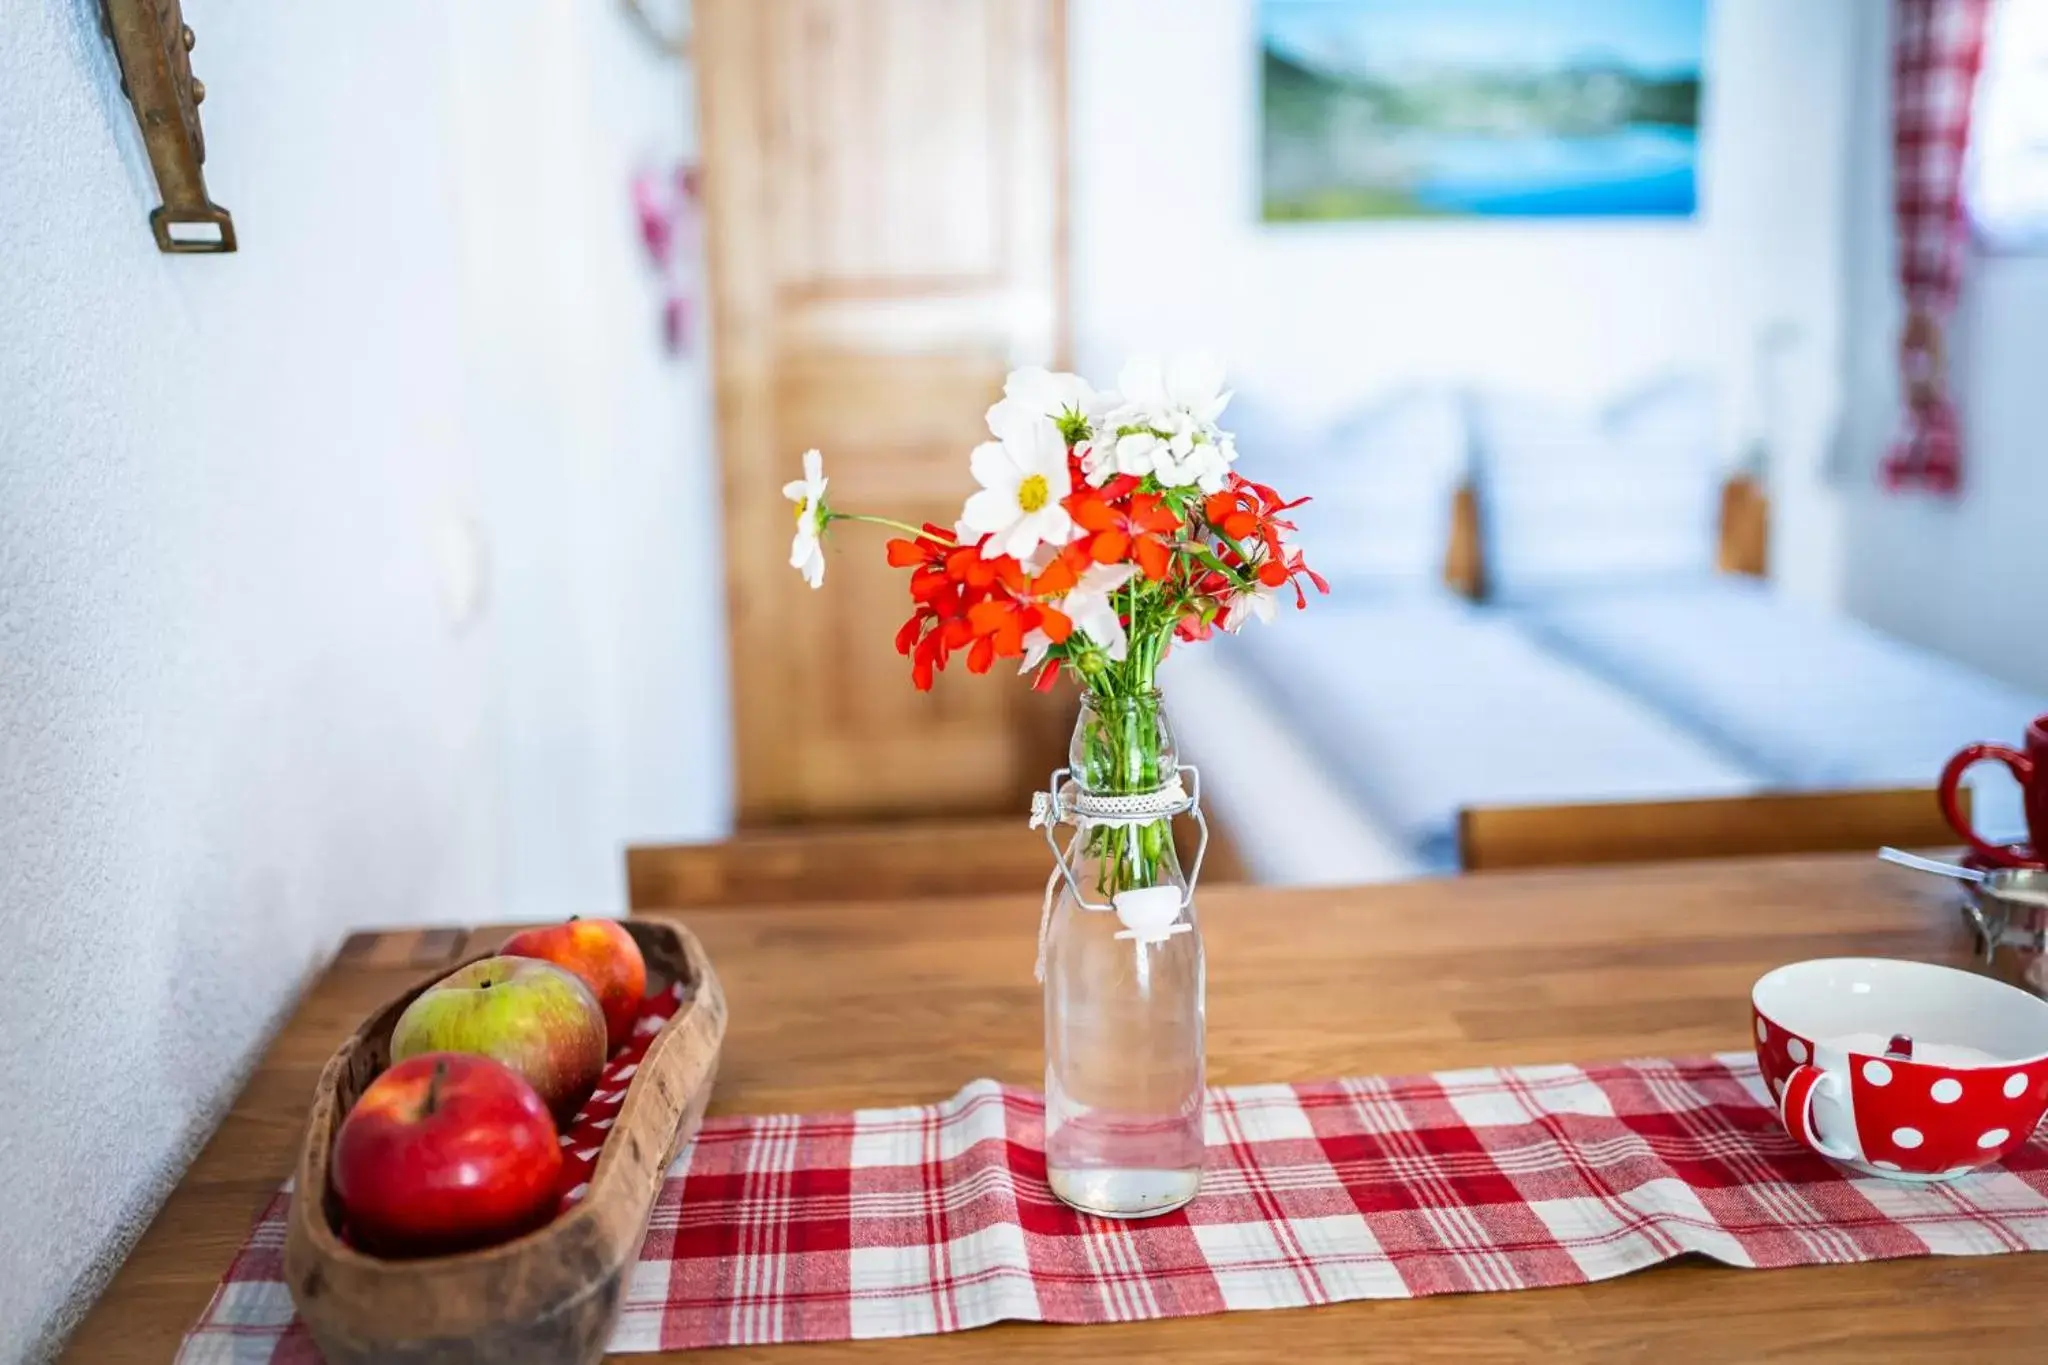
(895, 1004)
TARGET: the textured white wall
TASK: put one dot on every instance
(235, 718)
(1168, 248)
(1962, 576)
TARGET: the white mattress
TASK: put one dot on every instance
(1419, 705)
(1812, 700)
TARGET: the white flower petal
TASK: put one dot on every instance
(814, 467)
(989, 511)
(1019, 428)
(1052, 524)
(1005, 414)
(993, 465)
(1173, 473)
(1103, 579)
(1047, 455)
(1030, 383)
(1108, 632)
(1136, 452)
(1041, 393)
(807, 555)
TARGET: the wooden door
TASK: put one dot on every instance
(884, 188)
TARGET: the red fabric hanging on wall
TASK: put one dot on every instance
(1937, 47)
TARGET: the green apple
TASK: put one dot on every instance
(530, 1015)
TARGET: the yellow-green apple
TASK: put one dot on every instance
(533, 1016)
(446, 1152)
(604, 955)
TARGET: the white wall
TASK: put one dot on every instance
(235, 716)
(1168, 249)
(606, 560)
(1962, 576)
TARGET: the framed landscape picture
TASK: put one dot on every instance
(1480, 108)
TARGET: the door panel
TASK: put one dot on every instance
(885, 196)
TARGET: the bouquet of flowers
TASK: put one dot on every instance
(1106, 527)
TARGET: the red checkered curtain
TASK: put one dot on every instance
(1937, 47)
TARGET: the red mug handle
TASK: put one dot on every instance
(1795, 1107)
(2022, 767)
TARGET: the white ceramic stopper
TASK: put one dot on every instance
(1149, 912)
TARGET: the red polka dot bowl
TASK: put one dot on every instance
(1902, 1069)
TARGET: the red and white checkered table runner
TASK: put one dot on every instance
(899, 1222)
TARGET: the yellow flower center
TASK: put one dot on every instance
(1034, 493)
(803, 505)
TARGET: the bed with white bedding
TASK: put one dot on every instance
(1612, 662)
(1291, 822)
(1809, 699)
(1420, 704)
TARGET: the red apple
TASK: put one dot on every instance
(533, 1016)
(604, 955)
(444, 1153)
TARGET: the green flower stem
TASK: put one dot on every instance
(914, 532)
(1122, 755)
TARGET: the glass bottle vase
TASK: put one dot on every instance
(1124, 975)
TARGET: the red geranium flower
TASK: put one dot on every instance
(1127, 524)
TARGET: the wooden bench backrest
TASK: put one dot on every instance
(1491, 838)
(998, 855)
(841, 863)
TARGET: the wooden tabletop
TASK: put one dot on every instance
(837, 1007)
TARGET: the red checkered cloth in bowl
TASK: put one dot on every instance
(900, 1222)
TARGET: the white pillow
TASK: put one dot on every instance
(1381, 482)
(1629, 495)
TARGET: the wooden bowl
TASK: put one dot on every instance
(552, 1295)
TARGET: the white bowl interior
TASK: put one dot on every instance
(1839, 996)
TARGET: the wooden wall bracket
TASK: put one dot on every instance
(153, 44)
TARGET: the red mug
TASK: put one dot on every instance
(2031, 769)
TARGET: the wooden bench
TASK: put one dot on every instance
(880, 862)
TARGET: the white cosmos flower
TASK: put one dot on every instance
(1036, 392)
(1023, 477)
(1168, 417)
(1257, 600)
(807, 550)
(1090, 605)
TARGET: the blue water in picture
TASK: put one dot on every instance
(1634, 171)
